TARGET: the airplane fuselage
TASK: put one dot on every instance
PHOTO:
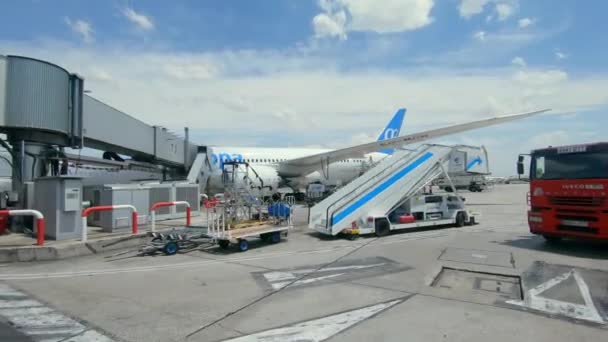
(265, 163)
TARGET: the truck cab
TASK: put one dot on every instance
(568, 191)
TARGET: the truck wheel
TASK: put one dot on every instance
(243, 245)
(460, 219)
(224, 244)
(448, 189)
(552, 239)
(382, 228)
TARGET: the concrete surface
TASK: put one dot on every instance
(22, 248)
(314, 288)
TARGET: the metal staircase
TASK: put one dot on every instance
(380, 189)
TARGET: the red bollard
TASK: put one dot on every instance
(134, 218)
(40, 231)
(188, 214)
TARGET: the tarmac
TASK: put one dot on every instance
(491, 281)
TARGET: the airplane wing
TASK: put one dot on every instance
(305, 165)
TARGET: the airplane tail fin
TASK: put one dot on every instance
(392, 129)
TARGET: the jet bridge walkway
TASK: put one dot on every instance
(379, 190)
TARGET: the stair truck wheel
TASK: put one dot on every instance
(171, 248)
(448, 189)
(243, 245)
(460, 219)
(224, 244)
(382, 227)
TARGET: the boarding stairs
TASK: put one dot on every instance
(379, 190)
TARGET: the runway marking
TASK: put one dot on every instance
(319, 329)
(40, 322)
(535, 301)
(282, 284)
(479, 256)
(280, 279)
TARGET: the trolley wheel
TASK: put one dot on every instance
(243, 245)
(460, 219)
(275, 237)
(224, 244)
(171, 248)
(265, 237)
(552, 239)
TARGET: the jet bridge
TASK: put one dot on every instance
(43, 109)
(381, 189)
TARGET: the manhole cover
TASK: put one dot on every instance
(478, 257)
(501, 286)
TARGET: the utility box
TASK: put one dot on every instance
(115, 194)
(59, 199)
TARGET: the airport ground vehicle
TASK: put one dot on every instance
(473, 183)
(389, 196)
(568, 191)
(418, 212)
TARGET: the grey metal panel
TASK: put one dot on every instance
(37, 95)
(168, 146)
(2, 90)
(161, 193)
(106, 124)
(189, 193)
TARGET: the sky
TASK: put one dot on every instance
(330, 73)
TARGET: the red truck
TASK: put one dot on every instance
(568, 191)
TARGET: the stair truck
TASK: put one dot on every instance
(387, 197)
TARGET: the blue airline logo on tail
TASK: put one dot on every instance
(392, 129)
(475, 161)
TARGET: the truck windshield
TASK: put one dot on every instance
(570, 166)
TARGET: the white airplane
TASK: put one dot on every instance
(265, 161)
(296, 167)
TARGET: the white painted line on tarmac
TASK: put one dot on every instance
(317, 330)
(89, 336)
(18, 276)
(332, 249)
(535, 301)
(18, 303)
(280, 285)
(41, 322)
(479, 256)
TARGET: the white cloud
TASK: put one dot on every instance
(341, 16)
(288, 92)
(469, 8)
(330, 25)
(525, 22)
(504, 11)
(190, 70)
(141, 21)
(480, 35)
(503, 8)
(518, 61)
(99, 75)
(560, 55)
(82, 28)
